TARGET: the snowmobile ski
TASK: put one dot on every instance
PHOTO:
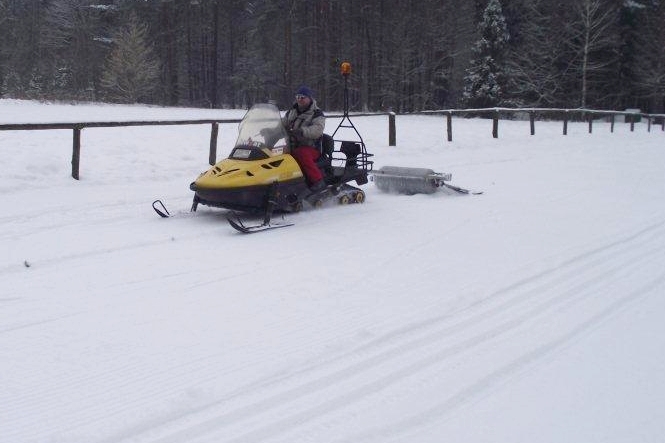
(160, 209)
(236, 223)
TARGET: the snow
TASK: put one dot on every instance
(532, 312)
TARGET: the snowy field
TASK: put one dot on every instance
(531, 313)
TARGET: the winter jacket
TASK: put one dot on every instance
(311, 121)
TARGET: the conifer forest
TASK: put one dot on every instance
(406, 55)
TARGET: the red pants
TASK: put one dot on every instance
(306, 157)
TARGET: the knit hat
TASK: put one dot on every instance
(304, 90)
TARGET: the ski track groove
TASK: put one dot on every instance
(527, 301)
(86, 255)
(388, 339)
(37, 323)
(137, 245)
(469, 393)
(71, 215)
(96, 214)
(374, 387)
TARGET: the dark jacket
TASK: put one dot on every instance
(311, 121)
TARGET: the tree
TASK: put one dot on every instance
(168, 49)
(407, 55)
(132, 71)
(73, 45)
(19, 48)
(534, 63)
(486, 78)
(592, 39)
(459, 18)
(650, 60)
(4, 18)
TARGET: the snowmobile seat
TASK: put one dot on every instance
(326, 146)
(351, 150)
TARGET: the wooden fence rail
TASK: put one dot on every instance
(76, 128)
(565, 115)
(493, 113)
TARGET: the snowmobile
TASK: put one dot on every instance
(260, 176)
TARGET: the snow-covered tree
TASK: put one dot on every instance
(485, 79)
(132, 71)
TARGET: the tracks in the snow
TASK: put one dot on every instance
(556, 307)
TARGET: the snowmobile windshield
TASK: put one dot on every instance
(260, 128)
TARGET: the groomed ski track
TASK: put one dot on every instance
(532, 312)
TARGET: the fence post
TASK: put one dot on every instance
(612, 123)
(590, 123)
(565, 122)
(76, 152)
(212, 158)
(532, 122)
(648, 123)
(392, 131)
(495, 124)
(632, 122)
(449, 125)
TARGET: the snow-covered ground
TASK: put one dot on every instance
(531, 313)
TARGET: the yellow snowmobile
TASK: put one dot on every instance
(260, 176)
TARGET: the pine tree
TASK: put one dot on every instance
(485, 79)
(132, 71)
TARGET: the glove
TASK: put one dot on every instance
(297, 133)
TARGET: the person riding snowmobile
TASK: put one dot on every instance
(305, 123)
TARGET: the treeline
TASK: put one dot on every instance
(407, 55)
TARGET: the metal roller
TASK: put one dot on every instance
(402, 180)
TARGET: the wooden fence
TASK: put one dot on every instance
(76, 128)
(494, 114)
(566, 115)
